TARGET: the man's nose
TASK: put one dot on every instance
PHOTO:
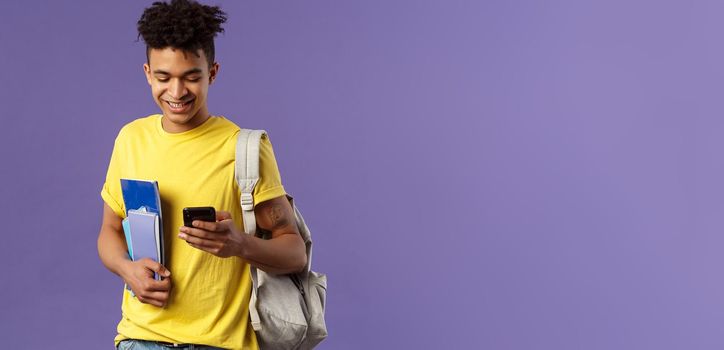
(177, 89)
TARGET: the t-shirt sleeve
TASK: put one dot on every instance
(270, 182)
(111, 191)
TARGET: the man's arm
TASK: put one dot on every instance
(285, 250)
(283, 253)
(111, 243)
(138, 275)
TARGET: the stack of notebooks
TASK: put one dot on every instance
(143, 225)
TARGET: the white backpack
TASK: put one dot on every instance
(286, 311)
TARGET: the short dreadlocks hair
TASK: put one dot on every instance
(182, 24)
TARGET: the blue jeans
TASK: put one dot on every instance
(134, 344)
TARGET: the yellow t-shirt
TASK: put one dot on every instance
(209, 300)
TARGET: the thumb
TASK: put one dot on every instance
(222, 215)
(158, 268)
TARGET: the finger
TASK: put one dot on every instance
(202, 242)
(149, 301)
(158, 296)
(222, 215)
(197, 233)
(156, 267)
(152, 301)
(163, 285)
(209, 250)
(208, 226)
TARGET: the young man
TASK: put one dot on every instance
(203, 298)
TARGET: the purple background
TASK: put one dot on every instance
(497, 175)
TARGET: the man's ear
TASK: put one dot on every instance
(213, 72)
(147, 71)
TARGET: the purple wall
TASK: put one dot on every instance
(493, 175)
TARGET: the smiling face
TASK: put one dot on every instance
(179, 83)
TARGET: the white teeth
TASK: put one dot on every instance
(175, 105)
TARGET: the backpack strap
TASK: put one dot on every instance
(247, 176)
(247, 173)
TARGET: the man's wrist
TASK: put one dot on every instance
(242, 250)
(123, 266)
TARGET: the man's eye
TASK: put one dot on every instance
(163, 80)
(194, 79)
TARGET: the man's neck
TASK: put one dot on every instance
(175, 128)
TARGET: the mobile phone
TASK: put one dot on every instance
(199, 213)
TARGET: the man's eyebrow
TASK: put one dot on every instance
(188, 72)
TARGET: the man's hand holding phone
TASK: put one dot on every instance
(139, 276)
(220, 237)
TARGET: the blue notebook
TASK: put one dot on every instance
(143, 195)
(145, 235)
(127, 233)
(129, 243)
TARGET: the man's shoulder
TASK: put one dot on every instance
(138, 125)
(234, 129)
(225, 129)
(226, 124)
